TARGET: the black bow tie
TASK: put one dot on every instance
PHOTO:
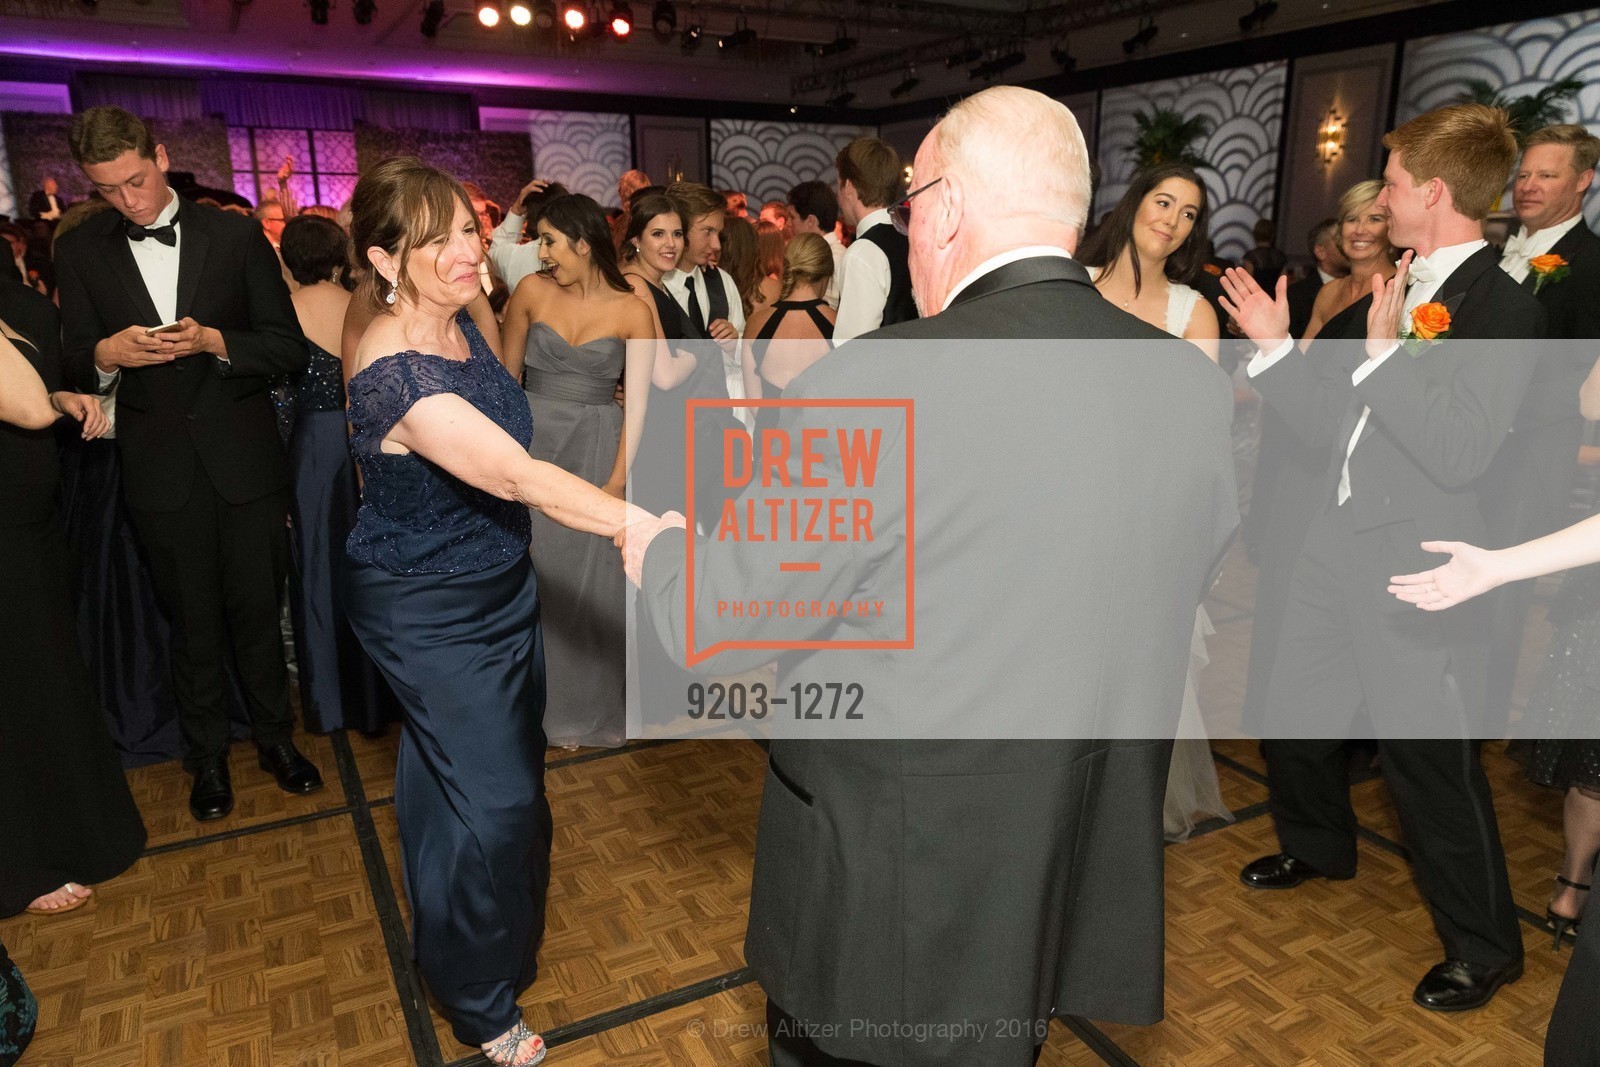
(167, 235)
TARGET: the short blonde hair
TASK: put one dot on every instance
(1359, 196)
(1470, 147)
(1585, 145)
(1019, 146)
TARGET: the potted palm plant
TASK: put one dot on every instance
(1527, 113)
(1165, 136)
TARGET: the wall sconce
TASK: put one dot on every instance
(1330, 136)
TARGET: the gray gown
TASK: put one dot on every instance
(576, 426)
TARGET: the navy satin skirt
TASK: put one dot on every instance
(463, 654)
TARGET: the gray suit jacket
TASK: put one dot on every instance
(1064, 530)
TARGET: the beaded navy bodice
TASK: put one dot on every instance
(415, 517)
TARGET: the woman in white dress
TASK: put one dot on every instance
(1140, 256)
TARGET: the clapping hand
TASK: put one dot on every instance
(1263, 318)
(1470, 572)
(86, 409)
(1388, 301)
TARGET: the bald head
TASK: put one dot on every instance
(1012, 170)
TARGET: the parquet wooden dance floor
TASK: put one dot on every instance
(278, 935)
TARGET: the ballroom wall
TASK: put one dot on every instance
(1245, 106)
(1523, 57)
(498, 162)
(764, 160)
(586, 151)
(37, 148)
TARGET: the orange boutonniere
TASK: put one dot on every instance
(1212, 269)
(1547, 270)
(1429, 322)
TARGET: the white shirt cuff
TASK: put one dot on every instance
(1359, 375)
(105, 379)
(1263, 360)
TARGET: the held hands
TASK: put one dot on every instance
(1470, 572)
(1388, 302)
(1261, 317)
(86, 409)
(637, 532)
(191, 340)
(134, 348)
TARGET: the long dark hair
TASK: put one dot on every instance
(1104, 247)
(578, 218)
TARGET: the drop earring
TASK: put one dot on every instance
(393, 289)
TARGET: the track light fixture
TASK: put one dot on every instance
(689, 40)
(842, 42)
(621, 21)
(319, 11)
(1063, 57)
(742, 35)
(1258, 15)
(489, 13)
(907, 84)
(997, 64)
(970, 53)
(432, 16)
(664, 18)
(519, 11)
(1142, 37)
(543, 12)
(842, 98)
(363, 10)
(574, 17)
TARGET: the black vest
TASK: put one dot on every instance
(896, 246)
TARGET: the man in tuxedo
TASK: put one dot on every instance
(813, 208)
(707, 295)
(1329, 263)
(1526, 490)
(1410, 430)
(875, 282)
(914, 880)
(204, 473)
(47, 203)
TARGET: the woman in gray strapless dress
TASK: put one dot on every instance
(571, 331)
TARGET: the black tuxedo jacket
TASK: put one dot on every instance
(39, 203)
(195, 410)
(1526, 490)
(900, 880)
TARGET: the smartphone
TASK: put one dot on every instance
(171, 327)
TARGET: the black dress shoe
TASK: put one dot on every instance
(1282, 871)
(1456, 985)
(295, 773)
(212, 795)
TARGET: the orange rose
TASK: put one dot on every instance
(1546, 263)
(1429, 321)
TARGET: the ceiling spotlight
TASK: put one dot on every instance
(432, 15)
(842, 42)
(664, 18)
(996, 64)
(910, 82)
(574, 17)
(842, 98)
(742, 35)
(319, 11)
(543, 12)
(1142, 37)
(1258, 16)
(489, 13)
(363, 10)
(621, 21)
(690, 38)
(520, 12)
(1063, 58)
(970, 54)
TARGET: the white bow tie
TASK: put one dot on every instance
(1519, 247)
(1421, 272)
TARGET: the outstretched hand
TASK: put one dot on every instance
(1263, 318)
(1470, 572)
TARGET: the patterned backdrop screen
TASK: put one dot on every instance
(585, 151)
(1517, 58)
(764, 160)
(1245, 108)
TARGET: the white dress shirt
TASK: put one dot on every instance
(994, 263)
(1428, 273)
(835, 246)
(1524, 248)
(1324, 275)
(677, 283)
(158, 266)
(511, 260)
(864, 289)
(55, 207)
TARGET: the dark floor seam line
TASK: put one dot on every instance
(1234, 765)
(1210, 826)
(1099, 1043)
(408, 986)
(594, 1024)
(590, 757)
(246, 831)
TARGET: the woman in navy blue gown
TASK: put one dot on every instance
(444, 600)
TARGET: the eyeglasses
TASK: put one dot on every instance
(900, 214)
